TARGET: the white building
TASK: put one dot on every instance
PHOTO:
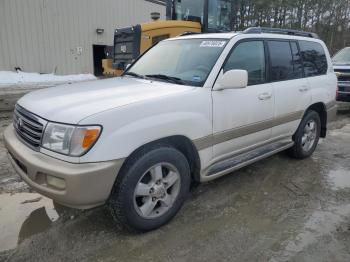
(64, 36)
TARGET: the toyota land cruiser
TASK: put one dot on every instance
(192, 108)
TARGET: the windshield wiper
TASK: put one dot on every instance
(134, 75)
(172, 79)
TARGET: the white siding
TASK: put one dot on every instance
(43, 35)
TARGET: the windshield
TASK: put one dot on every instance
(343, 56)
(217, 18)
(219, 15)
(189, 10)
(185, 61)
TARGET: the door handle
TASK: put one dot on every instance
(265, 96)
(303, 88)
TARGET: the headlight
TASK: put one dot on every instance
(68, 139)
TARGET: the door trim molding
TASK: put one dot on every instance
(220, 137)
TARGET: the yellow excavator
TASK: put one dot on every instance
(182, 17)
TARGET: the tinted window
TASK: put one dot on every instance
(249, 56)
(314, 58)
(281, 60)
(297, 63)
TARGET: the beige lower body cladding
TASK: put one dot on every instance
(86, 184)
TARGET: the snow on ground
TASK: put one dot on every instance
(19, 78)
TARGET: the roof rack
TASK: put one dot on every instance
(270, 30)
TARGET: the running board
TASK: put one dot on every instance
(228, 165)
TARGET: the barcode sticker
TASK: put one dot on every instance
(212, 44)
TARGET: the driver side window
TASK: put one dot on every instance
(249, 56)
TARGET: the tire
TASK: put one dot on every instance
(145, 195)
(302, 149)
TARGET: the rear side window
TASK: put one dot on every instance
(281, 61)
(314, 58)
(249, 56)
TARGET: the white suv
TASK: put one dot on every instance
(192, 108)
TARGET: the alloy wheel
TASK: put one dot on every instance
(157, 190)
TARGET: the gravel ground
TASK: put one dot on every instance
(278, 209)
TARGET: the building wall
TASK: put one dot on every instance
(57, 35)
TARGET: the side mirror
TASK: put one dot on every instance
(232, 79)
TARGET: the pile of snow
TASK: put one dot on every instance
(22, 78)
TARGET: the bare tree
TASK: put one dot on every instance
(330, 19)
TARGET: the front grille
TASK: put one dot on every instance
(28, 126)
(344, 77)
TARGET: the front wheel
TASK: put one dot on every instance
(307, 136)
(150, 189)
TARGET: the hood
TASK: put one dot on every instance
(73, 102)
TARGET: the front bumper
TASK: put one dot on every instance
(343, 94)
(86, 185)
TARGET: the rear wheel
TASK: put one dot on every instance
(307, 136)
(150, 189)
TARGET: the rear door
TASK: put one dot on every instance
(291, 89)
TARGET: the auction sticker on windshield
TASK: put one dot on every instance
(212, 44)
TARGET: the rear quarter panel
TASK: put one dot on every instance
(324, 87)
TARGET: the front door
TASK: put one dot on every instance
(242, 117)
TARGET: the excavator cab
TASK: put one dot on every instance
(213, 15)
(182, 16)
